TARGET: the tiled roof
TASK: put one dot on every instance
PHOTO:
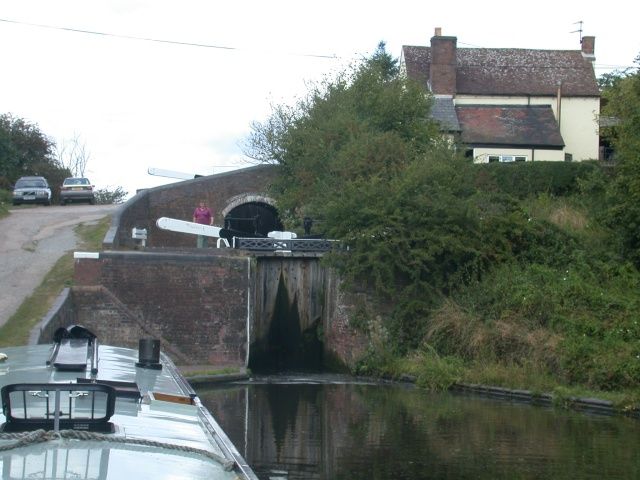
(444, 113)
(515, 126)
(510, 71)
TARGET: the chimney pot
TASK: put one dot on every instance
(438, 32)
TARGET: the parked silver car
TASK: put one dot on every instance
(76, 189)
(32, 190)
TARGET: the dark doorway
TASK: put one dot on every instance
(253, 219)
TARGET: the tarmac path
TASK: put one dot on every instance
(31, 242)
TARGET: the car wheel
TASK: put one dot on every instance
(92, 201)
(63, 203)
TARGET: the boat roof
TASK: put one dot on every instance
(161, 433)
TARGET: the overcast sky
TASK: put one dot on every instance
(137, 104)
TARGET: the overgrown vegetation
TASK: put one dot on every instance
(5, 202)
(26, 150)
(507, 274)
(622, 102)
(109, 196)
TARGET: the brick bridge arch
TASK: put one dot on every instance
(223, 192)
(251, 214)
(244, 198)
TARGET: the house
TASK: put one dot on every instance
(508, 104)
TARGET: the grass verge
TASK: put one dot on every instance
(16, 330)
(435, 372)
(439, 373)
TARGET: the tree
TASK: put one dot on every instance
(24, 149)
(73, 155)
(367, 122)
(361, 154)
(622, 101)
(108, 196)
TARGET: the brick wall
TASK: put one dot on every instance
(196, 304)
(343, 343)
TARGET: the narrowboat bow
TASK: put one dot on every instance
(82, 410)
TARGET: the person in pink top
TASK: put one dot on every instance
(203, 215)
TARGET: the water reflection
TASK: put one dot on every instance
(357, 431)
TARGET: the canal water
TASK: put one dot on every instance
(324, 427)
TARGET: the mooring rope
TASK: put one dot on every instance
(39, 436)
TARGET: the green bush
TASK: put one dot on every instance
(579, 321)
(5, 201)
(5, 196)
(435, 372)
(109, 196)
(532, 178)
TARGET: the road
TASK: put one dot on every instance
(31, 242)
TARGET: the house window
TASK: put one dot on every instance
(507, 158)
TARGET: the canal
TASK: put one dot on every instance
(331, 427)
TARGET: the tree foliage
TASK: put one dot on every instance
(24, 150)
(622, 101)
(109, 196)
(365, 123)
(361, 155)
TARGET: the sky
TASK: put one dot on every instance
(184, 99)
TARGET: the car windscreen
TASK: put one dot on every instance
(30, 184)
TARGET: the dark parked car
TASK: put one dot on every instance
(76, 189)
(32, 190)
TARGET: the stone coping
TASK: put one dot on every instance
(586, 404)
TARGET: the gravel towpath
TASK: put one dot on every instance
(32, 239)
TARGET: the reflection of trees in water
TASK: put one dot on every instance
(365, 432)
(444, 436)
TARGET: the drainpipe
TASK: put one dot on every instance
(246, 360)
(559, 105)
(533, 154)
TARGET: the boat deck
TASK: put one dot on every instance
(153, 438)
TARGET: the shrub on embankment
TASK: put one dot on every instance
(5, 202)
(556, 304)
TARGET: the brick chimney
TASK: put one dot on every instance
(588, 47)
(442, 74)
